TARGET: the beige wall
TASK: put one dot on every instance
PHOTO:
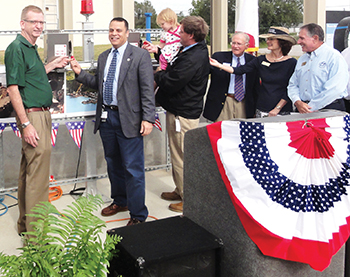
(315, 12)
(218, 26)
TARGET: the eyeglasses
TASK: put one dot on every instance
(238, 44)
(35, 22)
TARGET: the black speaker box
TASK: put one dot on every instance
(171, 247)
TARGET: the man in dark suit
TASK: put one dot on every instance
(181, 89)
(124, 115)
(221, 103)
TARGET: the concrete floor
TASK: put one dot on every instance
(156, 182)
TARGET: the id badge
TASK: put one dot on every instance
(177, 125)
(104, 116)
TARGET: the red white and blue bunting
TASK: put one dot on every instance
(2, 127)
(75, 130)
(54, 131)
(16, 130)
(157, 123)
(289, 183)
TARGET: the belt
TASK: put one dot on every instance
(42, 109)
(334, 102)
(112, 107)
(231, 95)
(340, 100)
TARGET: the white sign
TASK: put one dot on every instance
(60, 50)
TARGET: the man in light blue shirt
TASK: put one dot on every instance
(321, 75)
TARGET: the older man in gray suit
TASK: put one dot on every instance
(124, 115)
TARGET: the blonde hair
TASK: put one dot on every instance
(168, 15)
(29, 8)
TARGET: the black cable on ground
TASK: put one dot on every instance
(76, 191)
(8, 207)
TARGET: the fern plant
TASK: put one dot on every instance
(66, 244)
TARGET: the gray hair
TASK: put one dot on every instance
(30, 8)
(247, 38)
(314, 29)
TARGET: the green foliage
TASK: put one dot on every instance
(231, 7)
(286, 13)
(140, 8)
(180, 16)
(66, 244)
(203, 7)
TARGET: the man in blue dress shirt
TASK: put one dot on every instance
(321, 75)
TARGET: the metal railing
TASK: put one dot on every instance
(80, 31)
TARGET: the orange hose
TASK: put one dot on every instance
(54, 192)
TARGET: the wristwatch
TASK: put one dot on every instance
(278, 107)
(25, 124)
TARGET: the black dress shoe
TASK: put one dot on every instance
(134, 221)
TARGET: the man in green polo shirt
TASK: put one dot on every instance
(31, 97)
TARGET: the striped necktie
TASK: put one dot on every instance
(239, 90)
(108, 91)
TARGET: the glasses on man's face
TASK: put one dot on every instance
(237, 43)
(35, 22)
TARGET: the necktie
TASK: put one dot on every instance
(239, 90)
(108, 91)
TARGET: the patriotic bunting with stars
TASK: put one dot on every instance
(289, 183)
(2, 127)
(76, 130)
(54, 131)
(16, 130)
(157, 123)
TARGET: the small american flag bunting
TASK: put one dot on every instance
(16, 130)
(157, 123)
(2, 127)
(76, 130)
(54, 131)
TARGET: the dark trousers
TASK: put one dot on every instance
(125, 166)
(338, 104)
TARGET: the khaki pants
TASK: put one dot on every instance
(33, 181)
(176, 145)
(232, 109)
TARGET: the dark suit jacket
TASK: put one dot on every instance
(183, 84)
(135, 89)
(219, 84)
